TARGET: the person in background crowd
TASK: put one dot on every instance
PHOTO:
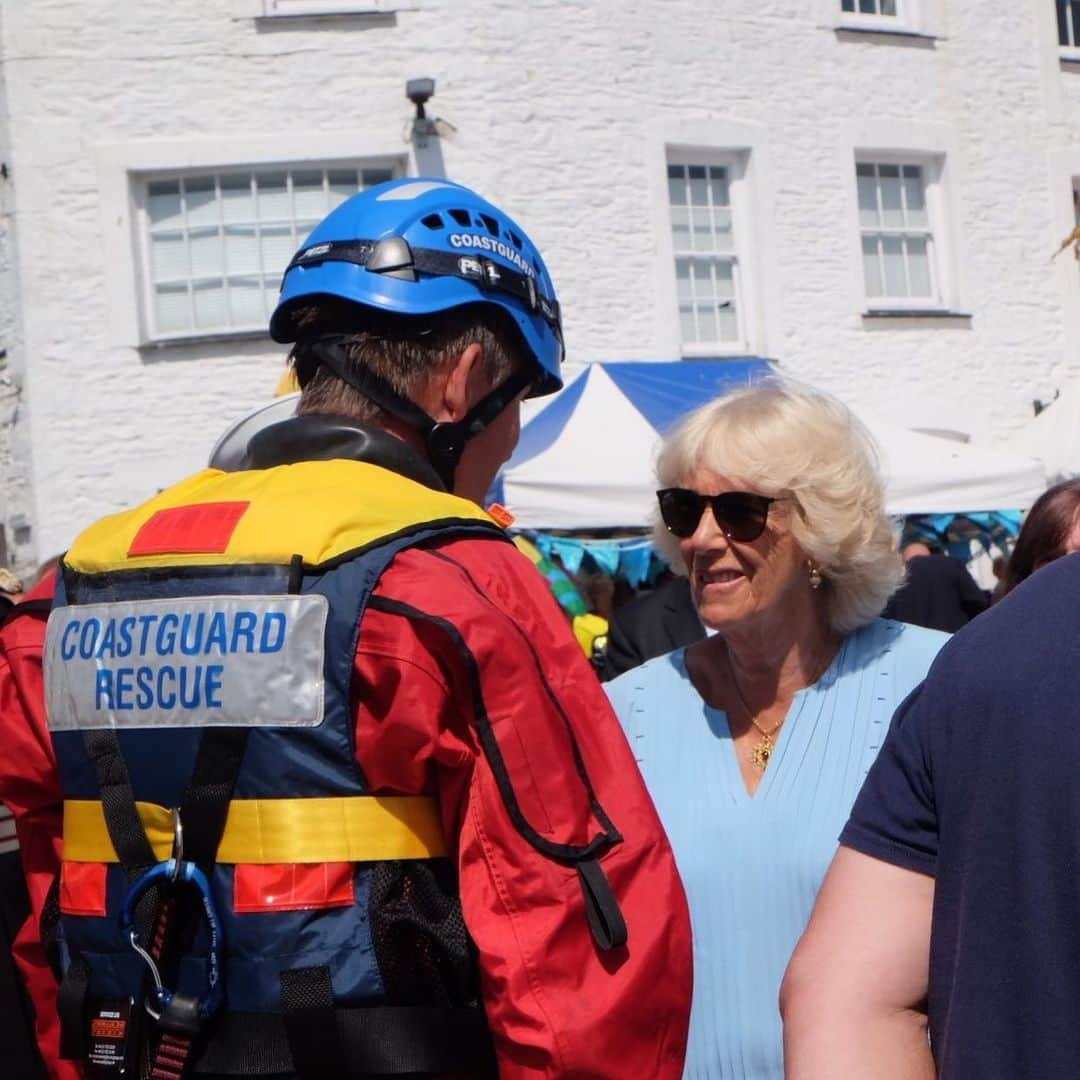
(953, 901)
(754, 741)
(651, 625)
(1051, 529)
(410, 838)
(939, 593)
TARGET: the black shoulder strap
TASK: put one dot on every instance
(118, 802)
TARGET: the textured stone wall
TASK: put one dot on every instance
(561, 108)
(16, 502)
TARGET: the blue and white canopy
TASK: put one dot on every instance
(586, 457)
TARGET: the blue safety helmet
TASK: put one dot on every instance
(417, 247)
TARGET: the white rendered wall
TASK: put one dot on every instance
(563, 110)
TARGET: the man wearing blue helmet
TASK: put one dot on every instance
(438, 274)
(340, 794)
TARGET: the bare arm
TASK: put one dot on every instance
(853, 999)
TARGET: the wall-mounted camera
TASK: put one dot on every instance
(420, 92)
(423, 127)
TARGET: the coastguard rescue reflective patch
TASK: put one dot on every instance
(213, 661)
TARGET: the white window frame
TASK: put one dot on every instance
(687, 160)
(140, 193)
(747, 303)
(901, 20)
(1069, 51)
(122, 166)
(943, 290)
(913, 18)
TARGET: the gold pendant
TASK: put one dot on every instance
(761, 753)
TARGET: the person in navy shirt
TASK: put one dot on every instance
(954, 902)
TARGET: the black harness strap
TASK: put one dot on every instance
(209, 791)
(307, 1006)
(118, 800)
(396, 1040)
(71, 1008)
(136, 855)
(203, 813)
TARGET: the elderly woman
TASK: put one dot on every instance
(755, 740)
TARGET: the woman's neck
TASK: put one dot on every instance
(769, 663)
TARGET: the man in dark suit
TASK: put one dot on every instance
(651, 625)
(939, 591)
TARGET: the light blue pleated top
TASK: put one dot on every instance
(752, 865)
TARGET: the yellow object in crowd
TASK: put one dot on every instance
(591, 632)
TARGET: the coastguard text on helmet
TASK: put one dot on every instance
(497, 247)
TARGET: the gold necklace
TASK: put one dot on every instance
(763, 749)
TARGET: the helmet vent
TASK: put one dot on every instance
(462, 217)
(491, 224)
(515, 240)
(433, 221)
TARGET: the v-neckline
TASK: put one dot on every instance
(730, 753)
(718, 721)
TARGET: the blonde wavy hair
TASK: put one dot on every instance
(783, 439)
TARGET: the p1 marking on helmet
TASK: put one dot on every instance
(488, 243)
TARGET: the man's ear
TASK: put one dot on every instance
(462, 387)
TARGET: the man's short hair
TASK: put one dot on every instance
(403, 350)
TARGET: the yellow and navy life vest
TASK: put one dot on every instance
(199, 656)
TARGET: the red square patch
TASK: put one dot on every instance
(290, 887)
(82, 888)
(205, 528)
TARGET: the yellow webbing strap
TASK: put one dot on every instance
(365, 828)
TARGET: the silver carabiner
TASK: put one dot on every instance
(133, 938)
(177, 843)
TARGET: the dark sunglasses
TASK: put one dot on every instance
(740, 515)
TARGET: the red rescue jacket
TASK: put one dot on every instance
(557, 1006)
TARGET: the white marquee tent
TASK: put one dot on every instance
(1053, 436)
(585, 460)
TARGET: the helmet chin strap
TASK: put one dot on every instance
(445, 440)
